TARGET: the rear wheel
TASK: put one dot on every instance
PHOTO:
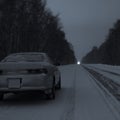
(1, 96)
(58, 86)
(51, 95)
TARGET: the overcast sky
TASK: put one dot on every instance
(86, 22)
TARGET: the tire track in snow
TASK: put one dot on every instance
(107, 96)
(69, 111)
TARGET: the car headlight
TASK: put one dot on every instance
(37, 71)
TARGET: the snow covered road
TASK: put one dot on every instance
(79, 99)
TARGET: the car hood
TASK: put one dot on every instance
(24, 65)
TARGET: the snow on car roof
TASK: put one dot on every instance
(29, 53)
(26, 56)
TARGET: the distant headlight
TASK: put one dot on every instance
(37, 71)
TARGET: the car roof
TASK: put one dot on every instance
(28, 53)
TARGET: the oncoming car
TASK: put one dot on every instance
(29, 72)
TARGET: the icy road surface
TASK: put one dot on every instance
(79, 99)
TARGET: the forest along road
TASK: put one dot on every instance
(79, 99)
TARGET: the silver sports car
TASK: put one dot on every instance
(28, 72)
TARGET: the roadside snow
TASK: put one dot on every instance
(90, 103)
(110, 68)
(108, 71)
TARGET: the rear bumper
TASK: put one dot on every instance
(27, 83)
(27, 89)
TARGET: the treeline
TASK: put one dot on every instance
(109, 51)
(29, 26)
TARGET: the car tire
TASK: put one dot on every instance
(1, 96)
(58, 86)
(51, 95)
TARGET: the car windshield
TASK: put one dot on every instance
(27, 58)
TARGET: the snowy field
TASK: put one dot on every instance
(80, 99)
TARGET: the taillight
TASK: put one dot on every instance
(37, 71)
